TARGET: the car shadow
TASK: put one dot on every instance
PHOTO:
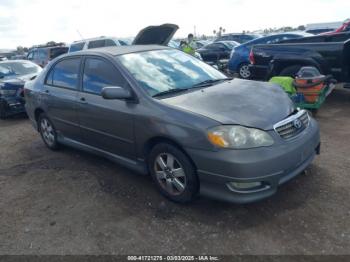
(138, 194)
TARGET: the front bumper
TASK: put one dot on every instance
(272, 166)
(12, 105)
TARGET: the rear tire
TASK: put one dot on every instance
(173, 173)
(48, 132)
(290, 71)
(2, 111)
(244, 71)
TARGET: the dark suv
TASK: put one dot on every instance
(42, 55)
(239, 38)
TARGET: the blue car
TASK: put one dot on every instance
(239, 59)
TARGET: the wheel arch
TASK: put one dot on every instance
(37, 112)
(152, 142)
(279, 65)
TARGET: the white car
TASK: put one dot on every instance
(96, 43)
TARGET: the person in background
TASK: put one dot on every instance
(189, 47)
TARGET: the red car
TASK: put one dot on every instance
(344, 28)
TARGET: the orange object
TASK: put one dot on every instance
(310, 88)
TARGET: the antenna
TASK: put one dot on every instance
(82, 38)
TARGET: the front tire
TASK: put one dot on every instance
(244, 71)
(48, 132)
(173, 173)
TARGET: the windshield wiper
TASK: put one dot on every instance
(210, 82)
(171, 91)
(205, 83)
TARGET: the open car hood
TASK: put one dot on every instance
(156, 35)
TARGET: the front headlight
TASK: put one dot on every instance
(7, 92)
(239, 137)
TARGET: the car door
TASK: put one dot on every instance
(223, 51)
(210, 52)
(105, 124)
(61, 90)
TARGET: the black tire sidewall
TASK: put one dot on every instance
(192, 184)
(290, 70)
(3, 114)
(55, 145)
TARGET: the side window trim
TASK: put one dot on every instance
(63, 87)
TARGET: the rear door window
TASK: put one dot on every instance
(65, 74)
(57, 51)
(110, 42)
(99, 73)
(215, 46)
(42, 54)
(30, 56)
(96, 44)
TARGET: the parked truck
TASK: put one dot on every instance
(330, 54)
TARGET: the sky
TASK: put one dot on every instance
(29, 22)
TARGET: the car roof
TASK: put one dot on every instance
(118, 50)
(94, 39)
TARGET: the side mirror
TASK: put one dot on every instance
(116, 93)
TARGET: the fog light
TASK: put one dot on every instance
(249, 185)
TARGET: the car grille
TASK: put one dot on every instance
(293, 125)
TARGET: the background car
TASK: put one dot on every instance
(43, 54)
(239, 58)
(13, 76)
(201, 43)
(319, 31)
(174, 44)
(216, 51)
(240, 38)
(96, 43)
(344, 28)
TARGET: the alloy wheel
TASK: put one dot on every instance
(244, 71)
(47, 131)
(170, 174)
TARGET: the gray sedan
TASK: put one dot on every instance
(162, 112)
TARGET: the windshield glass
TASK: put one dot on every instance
(18, 68)
(162, 70)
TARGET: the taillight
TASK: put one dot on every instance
(251, 57)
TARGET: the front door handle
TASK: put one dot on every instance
(83, 100)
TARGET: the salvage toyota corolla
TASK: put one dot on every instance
(158, 110)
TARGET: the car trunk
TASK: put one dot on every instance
(156, 35)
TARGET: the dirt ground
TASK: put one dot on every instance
(69, 202)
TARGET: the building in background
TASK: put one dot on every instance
(329, 25)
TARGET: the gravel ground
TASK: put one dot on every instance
(69, 202)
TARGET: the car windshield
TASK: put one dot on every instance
(159, 71)
(18, 68)
(230, 45)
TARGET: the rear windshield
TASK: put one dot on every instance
(77, 47)
(18, 68)
(57, 51)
